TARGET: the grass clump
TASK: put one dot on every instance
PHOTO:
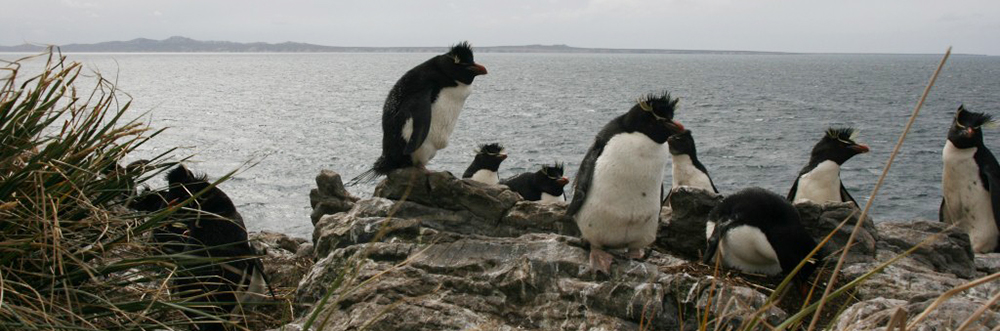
(73, 255)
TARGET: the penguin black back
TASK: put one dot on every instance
(215, 229)
(533, 186)
(412, 114)
(488, 157)
(772, 215)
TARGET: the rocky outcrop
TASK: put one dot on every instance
(329, 196)
(433, 252)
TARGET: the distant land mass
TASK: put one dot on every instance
(187, 45)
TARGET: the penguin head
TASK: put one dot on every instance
(653, 115)
(459, 64)
(681, 143)
(967, 128)
(489, 156)
(550, 179)
(837, 145)
(184, 184)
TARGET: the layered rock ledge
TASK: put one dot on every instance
(433, 252)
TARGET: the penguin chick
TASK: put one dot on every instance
(422, 109)
(618, 189)
(970, 183)
(545, 185)
(485, 166)
(819, 181)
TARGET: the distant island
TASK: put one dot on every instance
(187, 45)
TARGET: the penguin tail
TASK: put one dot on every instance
(364, 177)
(380, 168)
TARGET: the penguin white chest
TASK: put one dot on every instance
(747, 248)
(548, 198)
(820, 185)
(967, 203)
(622, 205)
(486, 176)
(684, 173)
(444, 113)
(444, 116)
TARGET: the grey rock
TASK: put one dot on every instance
(443, 190)
(329, 196)
(682, 225)
(281, 263)
(988, 263)
(532, 282)
(531, 216)
(951, 253)
(821, 219)
(876, 313)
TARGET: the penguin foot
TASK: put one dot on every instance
(600, 260)
(635, 254)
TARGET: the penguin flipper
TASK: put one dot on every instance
(583, 179)
(989, 172)
(941, 211)
(846, 196)
(795, 187)
(419, 107)
(713, 241)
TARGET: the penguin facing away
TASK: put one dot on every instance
(819, 181)
(618, 189)
(685, 167)
(485, 165)
(970, 183)
(212, 228)
(422, 109)
(545, 185)
(759, 232)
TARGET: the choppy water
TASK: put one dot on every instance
(755, 117)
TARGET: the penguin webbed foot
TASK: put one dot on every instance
(600, 260)
(635, 254)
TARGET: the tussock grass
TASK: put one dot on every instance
(72, 255)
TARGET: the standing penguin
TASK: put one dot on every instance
(759, 232)
(970, 183)
(421, 110)
(545, 185)
(486, 164)
(618, 189)
(819, 181)
(686, 169)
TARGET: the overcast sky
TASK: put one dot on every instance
(890, 26)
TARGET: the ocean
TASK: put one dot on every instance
(281, 118)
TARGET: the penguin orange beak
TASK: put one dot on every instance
(969, 132)
(478, 69)
(502, 157)
(562, 181)
(860, 148)
(675, 126)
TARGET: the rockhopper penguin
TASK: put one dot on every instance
(486, 164)
(618, 189)
(686, 169)
(819, 181)
(422, 109)
(970, 183)
(209, 226)
(545, 185)
(759, 232)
